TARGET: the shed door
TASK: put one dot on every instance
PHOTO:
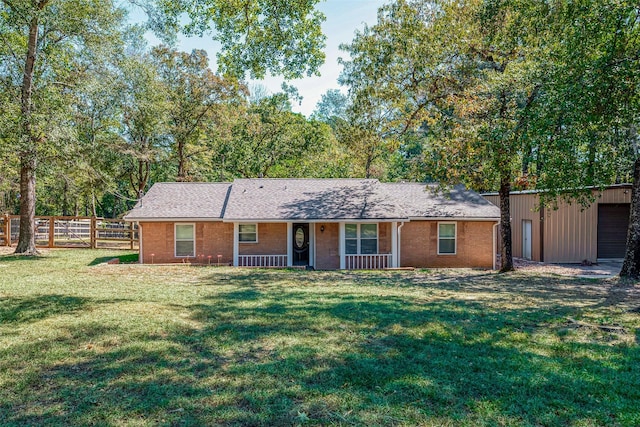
(526, 239)
(613, 221)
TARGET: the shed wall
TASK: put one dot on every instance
(569, 232)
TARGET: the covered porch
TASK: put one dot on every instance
(323, 245)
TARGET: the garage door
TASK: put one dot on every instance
(613, 221)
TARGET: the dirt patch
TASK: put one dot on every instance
(536, 267)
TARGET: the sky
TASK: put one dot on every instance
(344, 17)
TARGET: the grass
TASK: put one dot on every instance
(84, 343)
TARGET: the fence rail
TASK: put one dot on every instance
(73, 232)
(367, 262)
(262, 260)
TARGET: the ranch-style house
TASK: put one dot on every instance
(316, 223)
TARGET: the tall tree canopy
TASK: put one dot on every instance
(281, 37)
(457, 75)
(47, 45)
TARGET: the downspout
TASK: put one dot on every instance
(399, 245)
(495, 238)
(140, 243)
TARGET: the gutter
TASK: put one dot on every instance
(453, 218)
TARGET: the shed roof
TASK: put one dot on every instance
(182, 200)
(309, 200)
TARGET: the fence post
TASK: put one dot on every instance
(52, 231)
(7, 230)
(93, 231)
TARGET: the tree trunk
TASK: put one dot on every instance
(631, 264)
(506, 255)
(27, 236)
(28, 155)
(182, 174)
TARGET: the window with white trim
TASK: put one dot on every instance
(447, 238)
(185, 240)
(248, 233)
(361, 239)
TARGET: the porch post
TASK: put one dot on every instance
(235, 244)
(394, 245)
(312, 244)
(289, 244)
(343, 261)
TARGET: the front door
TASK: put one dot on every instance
(300, 244)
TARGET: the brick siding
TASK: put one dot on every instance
(212, 239)
(474, 245)
(272, 240)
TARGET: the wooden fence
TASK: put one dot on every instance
(73, 232)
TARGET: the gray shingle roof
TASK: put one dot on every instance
(182, 200)
(309, 199)
(427, 201)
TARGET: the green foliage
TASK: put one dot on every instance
(196, 98)
(268, 140)
(331, 107)
(281, 37)
(584, 133)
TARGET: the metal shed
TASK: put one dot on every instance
(571, 233)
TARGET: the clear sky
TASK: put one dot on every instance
(344, 17)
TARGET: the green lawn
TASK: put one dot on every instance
(85, 343)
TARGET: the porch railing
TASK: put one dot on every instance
(262, 260)
(367, 262)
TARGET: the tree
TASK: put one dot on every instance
(587, 118)
(265, 137)
(461, 76)
(259, 36)
(280, 37)
(62, 31)
(331, 107)
(144, 119)
(193, 94)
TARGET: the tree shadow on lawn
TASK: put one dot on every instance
(24, 310)
(265, 354)
(112, 388)
(458, 361)
(4, 259)
(123, 259)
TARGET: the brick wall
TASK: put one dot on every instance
(419, 243)
(384, 238)
(327, 246)
(272, 240)
(474, 245)
(212, 238)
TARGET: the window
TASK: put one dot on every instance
(446, 238)
(248, 233)
(185, 240)
(361, 239)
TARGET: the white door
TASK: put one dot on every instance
(526, 239)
